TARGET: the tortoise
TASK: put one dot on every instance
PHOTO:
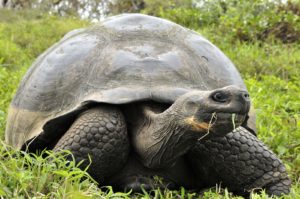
(145, 99)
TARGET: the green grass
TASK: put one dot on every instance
(270, 69)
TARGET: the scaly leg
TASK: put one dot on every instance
(100, 133)
(240, 162)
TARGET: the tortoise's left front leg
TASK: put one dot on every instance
(240, 162)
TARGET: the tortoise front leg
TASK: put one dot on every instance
(100, 133)
(240, 162)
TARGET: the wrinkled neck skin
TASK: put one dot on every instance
(161, 139)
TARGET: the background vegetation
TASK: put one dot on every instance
(261, 37)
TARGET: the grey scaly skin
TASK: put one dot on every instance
(100, 133)
(240, 162)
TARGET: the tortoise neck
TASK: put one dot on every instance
(161, 140)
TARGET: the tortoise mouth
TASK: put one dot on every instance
(222, 118)
(219, 123)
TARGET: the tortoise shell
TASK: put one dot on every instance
(124, 59)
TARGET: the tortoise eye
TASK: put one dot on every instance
(220, 97)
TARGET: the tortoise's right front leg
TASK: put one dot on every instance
(100, 133)
(240, 162)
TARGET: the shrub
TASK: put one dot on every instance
(258, 19)
(241, 20)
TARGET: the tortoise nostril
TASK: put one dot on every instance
(246, 96)
(220, 97)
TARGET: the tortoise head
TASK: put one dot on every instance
(194, 115)
(217, 112)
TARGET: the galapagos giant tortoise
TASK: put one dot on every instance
(144, 97)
